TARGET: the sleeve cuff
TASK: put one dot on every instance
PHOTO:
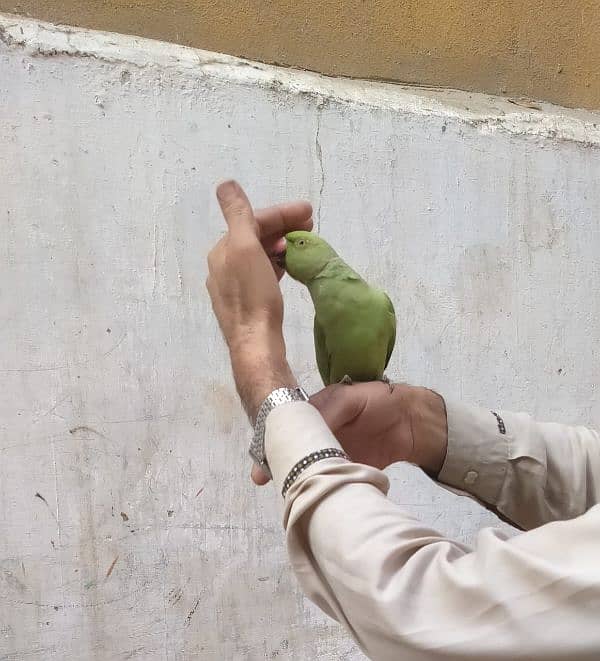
(477, 456)
(293, 431)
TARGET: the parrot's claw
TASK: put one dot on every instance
(346, 380)
(384, 379)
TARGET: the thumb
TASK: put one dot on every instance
(339, 404)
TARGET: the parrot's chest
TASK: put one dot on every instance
(354, 326)
(354, 329)
(350, 309)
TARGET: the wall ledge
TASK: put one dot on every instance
(488, 114)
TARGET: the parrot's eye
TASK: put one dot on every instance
(301, 242)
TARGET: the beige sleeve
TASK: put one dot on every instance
(529, 472)
(404, 591)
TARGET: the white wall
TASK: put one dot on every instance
(122, 444)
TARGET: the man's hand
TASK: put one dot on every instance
(244, 290)
(378, 428)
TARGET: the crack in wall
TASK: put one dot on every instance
(319, 152)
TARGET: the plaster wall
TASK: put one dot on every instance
(128, 525)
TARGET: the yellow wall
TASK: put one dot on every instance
(542, 49)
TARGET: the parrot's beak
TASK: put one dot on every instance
(279, 259)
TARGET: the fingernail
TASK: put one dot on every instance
(227, 189)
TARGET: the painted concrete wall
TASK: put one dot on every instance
(128, 526)
(542, 49)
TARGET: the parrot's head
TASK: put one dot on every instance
(306, 255)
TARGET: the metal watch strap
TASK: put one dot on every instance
(274, 399)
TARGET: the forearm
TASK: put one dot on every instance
(402, 589)
(258, 373)
(529, 472)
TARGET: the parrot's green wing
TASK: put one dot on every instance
(323, 361)
(392, 339)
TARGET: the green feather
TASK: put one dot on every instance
(355, 324)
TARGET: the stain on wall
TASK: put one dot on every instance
(543, 49)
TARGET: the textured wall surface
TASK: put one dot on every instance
(544, 49)
(128, 526)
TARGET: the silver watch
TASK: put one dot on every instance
(274, 399)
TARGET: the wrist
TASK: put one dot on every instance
(429, 426)
(258, 371)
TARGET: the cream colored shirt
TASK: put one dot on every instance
(406, 592)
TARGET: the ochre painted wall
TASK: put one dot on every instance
(542, 49)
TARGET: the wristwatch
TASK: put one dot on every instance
(274, 399)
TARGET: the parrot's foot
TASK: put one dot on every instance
(347, 380)
(384, 379)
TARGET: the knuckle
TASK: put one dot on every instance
(215, 256)
(236, 207)
(236, 211)
(212, 255)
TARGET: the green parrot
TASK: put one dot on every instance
(355, 324)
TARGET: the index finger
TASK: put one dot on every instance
(236, 208)
(277, 221)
